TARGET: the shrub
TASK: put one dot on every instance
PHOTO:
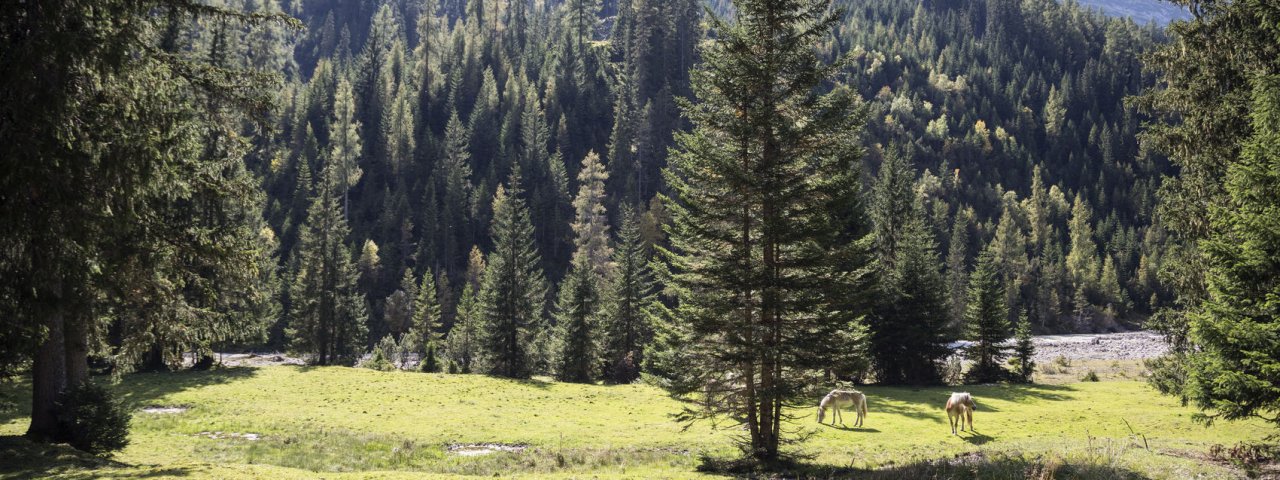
(1091, 376)
(94, 420)
(430, 360)
(383, 355)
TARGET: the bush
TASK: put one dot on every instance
(94, 420)
(382, 357)
(1090, 377)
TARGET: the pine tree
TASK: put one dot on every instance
(455, 172)
(329, 312)
(591, 223)
(577, 327)
(631, 295)
(399, 310)
(514, 291)
(751, 186)
(908, 326)
(463, 341)
(958, 269)
(1024, 351)
(426, 321)
(987, 321)
(1232, 373)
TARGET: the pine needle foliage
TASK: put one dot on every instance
(752, 190)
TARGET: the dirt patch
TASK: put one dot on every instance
(252, 437)
(165, 410)
(478, 449)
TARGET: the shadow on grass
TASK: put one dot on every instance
(142, 389)
(21, 458)
(967, 466)
(847, 428)
(976, 438)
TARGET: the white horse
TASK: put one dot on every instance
(960, 408)
(838, 399)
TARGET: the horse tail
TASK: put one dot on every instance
(863, 407)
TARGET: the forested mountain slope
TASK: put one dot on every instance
(1012, 111)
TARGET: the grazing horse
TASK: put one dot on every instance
(838, 399)
(960, 408)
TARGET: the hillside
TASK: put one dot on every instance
(1141, 11)
(300, 422)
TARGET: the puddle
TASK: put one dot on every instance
(478, 449)
(252, 437)
(163, 410)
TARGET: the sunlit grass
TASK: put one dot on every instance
(359, 423)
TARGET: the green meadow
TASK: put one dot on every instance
(334, 422)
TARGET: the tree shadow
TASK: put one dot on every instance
(971, 465)
(22, 458)
(136, 390)
(847, 428)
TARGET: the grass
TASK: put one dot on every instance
(353, 423)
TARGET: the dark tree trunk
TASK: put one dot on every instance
(153, 360)
(49, 374)
(76, 343)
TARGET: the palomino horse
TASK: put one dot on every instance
(960, 408)
(838, 399)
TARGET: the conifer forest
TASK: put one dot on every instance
(714, 211)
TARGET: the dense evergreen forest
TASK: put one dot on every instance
(1012, 114)
(733, 202)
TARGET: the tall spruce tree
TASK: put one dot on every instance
(987, 320)
(329, 314)
(908, 327)
(626, 312)
(1233, 372)
(117, 153)
(514, 292)
(579, 303)
(426, 322)
(750, 187)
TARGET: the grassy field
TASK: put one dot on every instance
(333, 422)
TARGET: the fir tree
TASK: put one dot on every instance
(329, 313)
(463, 340)
(1232, 373)
(514, 291)
(1024, 351)
(751, 186)
(631, 294)
(987, 321)
(908, 327)
(426, 321)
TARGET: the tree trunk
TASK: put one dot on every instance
(76, 344)
(49, 373)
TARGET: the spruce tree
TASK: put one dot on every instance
(987, 321)
(908, 326)
(426, 322)
(1024, 351)
(462, 343)
(1233, 372)
(626, 312)
(329, 312)
(579, 303)
(513, 293)
(750, 187)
